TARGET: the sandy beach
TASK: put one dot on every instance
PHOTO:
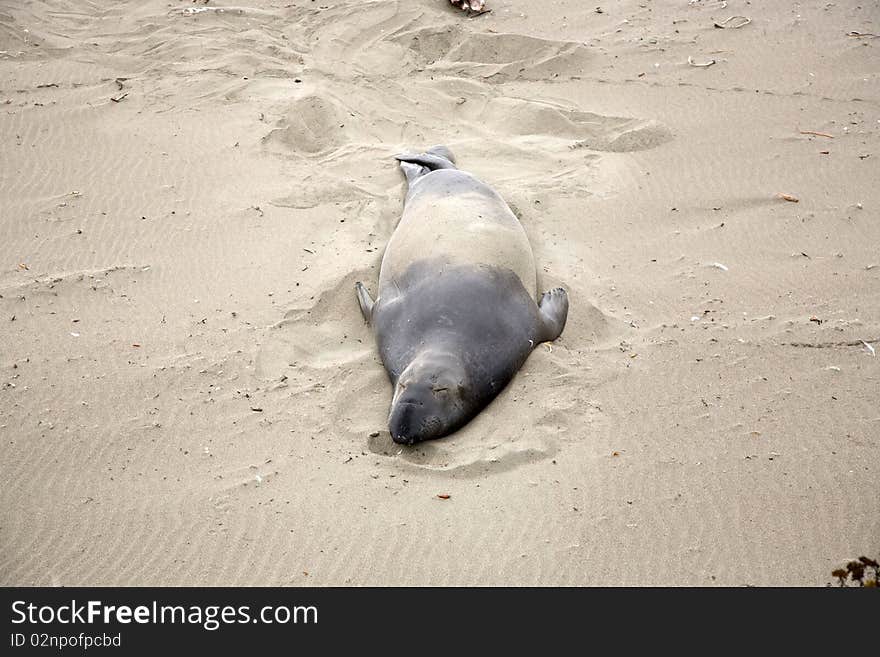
(189, 191)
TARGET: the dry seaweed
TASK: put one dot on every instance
(862, 572)
(474, 7)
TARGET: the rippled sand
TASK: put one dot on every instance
(188, 393)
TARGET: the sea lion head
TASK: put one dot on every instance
(430, 399)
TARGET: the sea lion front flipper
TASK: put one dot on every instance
(365, 301)
(553, 308)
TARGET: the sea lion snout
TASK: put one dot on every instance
(419, 413)
(427, 399)
(412, 421)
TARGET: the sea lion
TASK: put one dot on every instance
(456, 315)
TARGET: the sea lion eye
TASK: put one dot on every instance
(441, 389)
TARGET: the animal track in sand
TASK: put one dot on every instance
(493, 57)
(313, 125)
(629, 135)
(326, 335)
(327, 357)
(91, 278)
(455, 456)
(390, 38)
(319, 189)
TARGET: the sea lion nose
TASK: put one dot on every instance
(400, 424)
(403, 439)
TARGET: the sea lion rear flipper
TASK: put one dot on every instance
(365, 301)
(416, 165)
(412, 171)
(553, 308)
(432, 162)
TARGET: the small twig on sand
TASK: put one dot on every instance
(862, 35)
(700, 65)
(116, 99)
(788, 197)
(818, 134)
(742, 21)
